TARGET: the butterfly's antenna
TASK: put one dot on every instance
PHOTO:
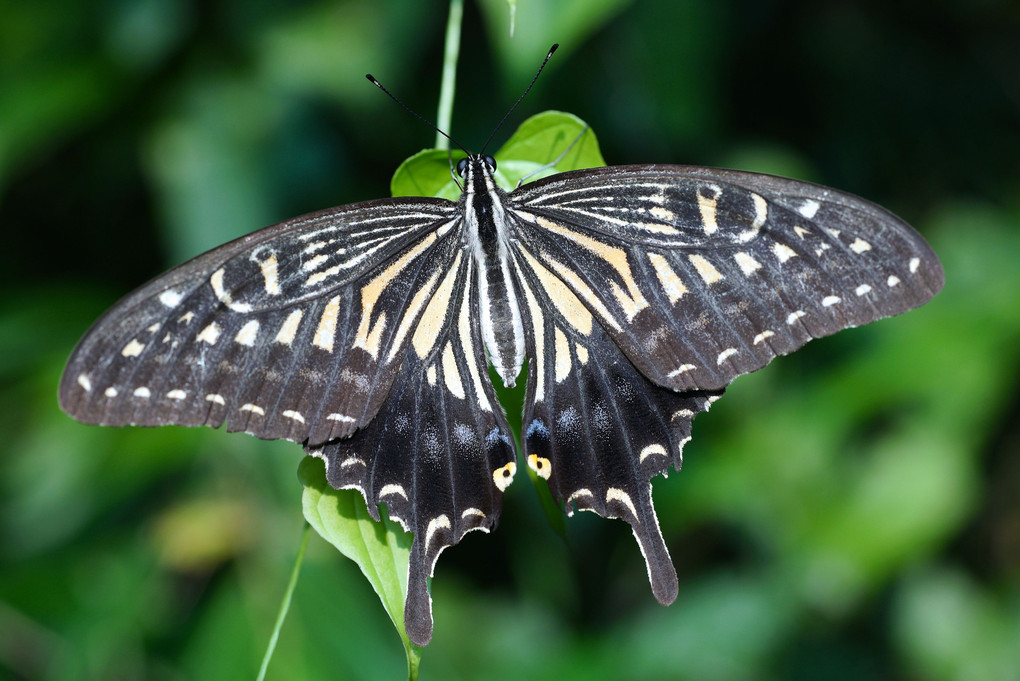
(521, 98)
(414, 113)
(453, 174)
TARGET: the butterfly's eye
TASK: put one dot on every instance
(461, 166)
(490, 161)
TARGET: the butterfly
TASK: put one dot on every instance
(633, 295)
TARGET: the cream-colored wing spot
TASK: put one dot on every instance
(860, 246)
(574, 281)
(708, 273)
(761, 213)
(464, 332)
(708, 196)
(170, 298)
(224, 296)
(353, 461)
(682, 369)
(748, 265)
(783, 252)
(809, 208)
(289, 328)
(725, 354)
(369, 333)
(325, 333)
(671, 284)
(450, 374)
(617, 494)
(541, 466)
(313, 263)
(829, 301)
(504, 475)
(210, 334)
(392, 489)
(248, 333)
(566, 303)
(581, 352)
(663, 214)
(132, 349)
(438, 523)
(652, 450)
(561, 359)
(632, 300)
(583, 493)
(435, 315)
(268, 267)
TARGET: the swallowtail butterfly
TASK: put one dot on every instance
(635, 293)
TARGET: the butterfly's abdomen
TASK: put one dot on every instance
(486, 232)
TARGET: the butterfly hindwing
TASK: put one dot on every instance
(439, 452)
(295, 331)
(701, 275)
(594, 426)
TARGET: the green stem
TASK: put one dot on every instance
(285, 604)
(446, 90)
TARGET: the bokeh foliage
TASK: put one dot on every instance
(852, 511)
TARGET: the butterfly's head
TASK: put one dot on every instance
(486, 159)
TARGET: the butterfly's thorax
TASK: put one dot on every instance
(486, 230)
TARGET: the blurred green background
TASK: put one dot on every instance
(851, 512)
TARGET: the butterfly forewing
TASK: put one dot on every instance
(295, 331)
(701, 275)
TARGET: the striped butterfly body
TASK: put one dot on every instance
(633, 294)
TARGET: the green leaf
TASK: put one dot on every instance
(542, 139)
(538, 142)
(427, 173)
(380, 549)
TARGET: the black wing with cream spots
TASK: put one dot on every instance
(701, 275)
(439, 453)
(594, 426)
(295, 331)
(650, 288)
